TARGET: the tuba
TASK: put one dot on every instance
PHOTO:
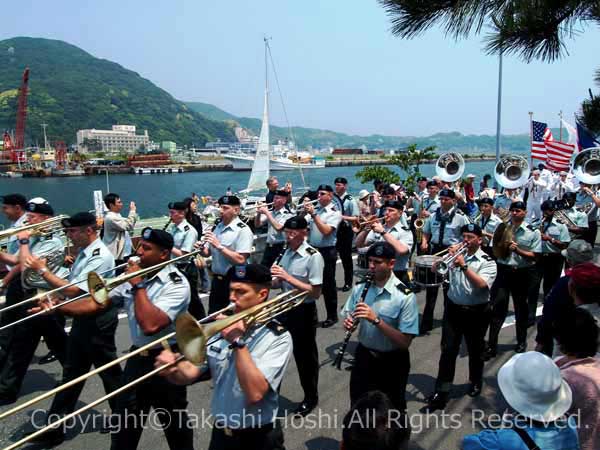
(450, 166)
(586, 166)
(511, 171)
(30, 279)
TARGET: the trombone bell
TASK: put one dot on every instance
(191, 338)
(97, 287)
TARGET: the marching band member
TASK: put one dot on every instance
(246, 372)
(324, 220)
(586, 197)
(537, 192)
(505, 199)
(420, 194)
(389, 320)
(184, 237)
(580, 225)
(349, 209)
(515, 274)
(467, 315)
(560, 187)
(441, 230)
(26, 337)
(230, 243)
(117, 229)
(301, 267)
(392, 232)
(275, 218)
(488, 222)
(92, 338)
(431, 202)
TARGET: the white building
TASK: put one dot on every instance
(121, 139)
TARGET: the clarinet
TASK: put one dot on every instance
(342, 349)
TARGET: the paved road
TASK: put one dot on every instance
(323, 430)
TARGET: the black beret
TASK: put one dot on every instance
(431, 183)
(447, 193)
(158, 237)
(486, 201)
(80, 219)
(381, 250)
(340, 180)
(388, 191)
(421, 179)
(40, 208)
(250, 273)
(471, 228)
(548, 205)
(296, 223)
(14, 200)
(178, 206)
(393, 204)
(282, 193)
(230, 200)
(518, 205)
(325, 187)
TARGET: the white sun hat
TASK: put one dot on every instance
(362, 194)
(533, 386)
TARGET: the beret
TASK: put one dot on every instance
(471, 228)
(486, 201)
(250, 273)
(548, 205)
(381, 250)
(431, 183)
(80, 219)
(282, 193)
(340, 180)
(447, 193)
(421, 179)
(14, 200)
(397, 204)
(325, 187)
(296, 223)
(158, 237)
(230, 200)
(586, 275)
(178, 206)
(518, 205)
(40, 208)
(389, 190)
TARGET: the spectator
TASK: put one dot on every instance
(580, 367)
(485, 182)
(532, 386)
(584, 288)
(117, 229)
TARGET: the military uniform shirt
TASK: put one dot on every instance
(557, 231)
(579, 218)
(394, 304)
(350, 207)
(270, 350)
(528, 238)
(184, 236)
(40, 247)
(462, 291)
(431, 204)
(504, 202)
(306, 264)
(96, 257)
(13, 243)
(237, 237)
(280, 216)
(168, 290)
(452, 233)
(583, 199)
(330, 216)
(416, 204)
(400, 233)
(489, 226)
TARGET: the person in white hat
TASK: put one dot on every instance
(533, 387)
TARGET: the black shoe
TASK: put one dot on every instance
(50, 438)
(345, 288)
(438, 400)
(531, 323)
(50, 357)
(474, 390)
(329, 323)
(521, 347)
(7, 399)
(489, 353)
(305, 408)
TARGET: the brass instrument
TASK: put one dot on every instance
(369, 221)
(31, 279)
(48, 226)
(442, 267)
(586, 166)
(419, 222)
(503, 237)
(450, 166)
(304, 204)
(503, 213)
(512, 171)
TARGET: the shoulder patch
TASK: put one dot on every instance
(175, 277)
(241, 224)
(311, 251)
(348, 197)
(405, 228)
(276, 327)
(404, 288)
(487, 257)
(186, 228)
(460, 212)
(529, 227)
(96, 252)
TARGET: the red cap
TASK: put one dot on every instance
(585, 275)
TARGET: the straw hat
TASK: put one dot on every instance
(362, 194)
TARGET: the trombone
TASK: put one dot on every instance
(48, 226)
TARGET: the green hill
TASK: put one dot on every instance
(71, 90)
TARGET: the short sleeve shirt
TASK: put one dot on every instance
(237, 237)
(489, 225)
(332, 217)
(455, 220)
(306, 264)
(184, 236)
(462, 291)
(580, 219)
(583, 199)
(280, 216)
(557, 231)
(96, 257)
(400, 233)
(529, 239)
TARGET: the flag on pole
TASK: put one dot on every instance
(540, 134)
(572, 133)
(558, 155)
(585, 139)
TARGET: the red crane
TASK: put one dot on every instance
(17, 149)
(60, 154)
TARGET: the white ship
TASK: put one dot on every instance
(245, 161)
(156, 170)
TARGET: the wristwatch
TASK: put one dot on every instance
(383, 233)
(138, 286)
(42, 271)
(24, 241)
(237, 343)
(377, 321)
(464, 268)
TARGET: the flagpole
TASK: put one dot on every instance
(531, 136)
(499, 110)
(560, 117)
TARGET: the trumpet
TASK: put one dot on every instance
(369, 221)
(303, 205)
(48, 226)
(443, 267)
(256, 206)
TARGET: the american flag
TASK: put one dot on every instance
(559, 155)
(540, 134)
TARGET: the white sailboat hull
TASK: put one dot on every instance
(245, 163)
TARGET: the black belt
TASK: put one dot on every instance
(382, 354)
(219, 277)
(275, 244)
(513, 268)
(551, 254)
(243, 431)
(469, 307)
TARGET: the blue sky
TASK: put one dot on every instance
(339, 66)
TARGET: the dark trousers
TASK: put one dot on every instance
(219, 293)
(267, 437)
(344, 248)
(190, 271)
(380, 371)
(90, 343)
(589, 235)
(14, 294)
(301, 322)
(548, 269)
(271, 253)
(168, 400)
(515, 282)
(329, 288)
(470, 322)
(431, 296)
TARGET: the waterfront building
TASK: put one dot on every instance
(121, 139)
